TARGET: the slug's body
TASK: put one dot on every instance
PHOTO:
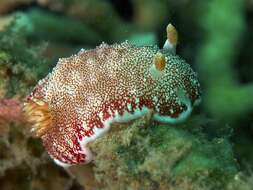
(86, 93)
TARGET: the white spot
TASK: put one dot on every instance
(81, 51)
(133, 91)
(90, 61)
(94, 99)
(129, 106)
(100, 115)
(155, 99)
(110, 111)
(85, 127)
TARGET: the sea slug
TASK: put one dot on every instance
(84, 94)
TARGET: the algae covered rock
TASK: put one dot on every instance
(20, 63)
(162, 157)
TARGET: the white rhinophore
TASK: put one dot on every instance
(172, 39)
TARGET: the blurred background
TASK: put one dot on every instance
(215, 38)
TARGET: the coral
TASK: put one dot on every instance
(225, 97)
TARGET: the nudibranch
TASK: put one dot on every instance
(88, 92)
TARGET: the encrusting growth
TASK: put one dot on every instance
(86, 93)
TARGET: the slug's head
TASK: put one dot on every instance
(176, 85)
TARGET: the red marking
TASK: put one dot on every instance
(106, 114)
(72, 154)
(145, 102)
(95, 121)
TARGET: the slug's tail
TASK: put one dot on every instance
(37, 113)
